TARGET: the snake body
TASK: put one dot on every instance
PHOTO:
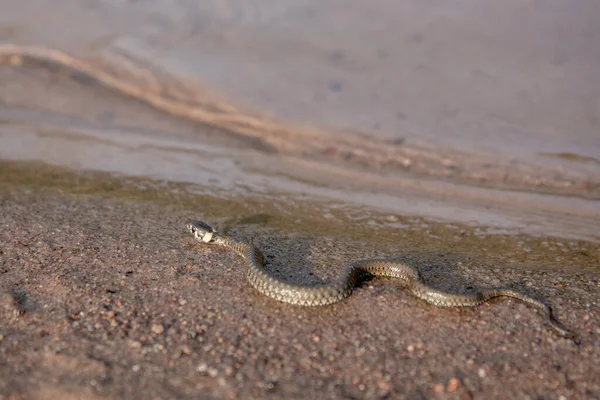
(334, 292)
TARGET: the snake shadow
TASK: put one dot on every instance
(306, 261)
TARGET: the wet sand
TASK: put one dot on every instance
(105, 296)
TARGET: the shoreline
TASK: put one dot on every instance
(297, 214)
(70, 120)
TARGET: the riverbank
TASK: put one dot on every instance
(105, 295)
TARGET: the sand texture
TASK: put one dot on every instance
(107, 298)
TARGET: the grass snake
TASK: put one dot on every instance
(330, 293)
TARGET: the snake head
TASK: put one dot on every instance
(201, 230)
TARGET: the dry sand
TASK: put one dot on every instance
(106, 296)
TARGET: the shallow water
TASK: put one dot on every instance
(466, 88)
(226, 171)
(516, 78)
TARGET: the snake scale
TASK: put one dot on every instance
(330, 293)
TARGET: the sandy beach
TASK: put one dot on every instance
(104, 295)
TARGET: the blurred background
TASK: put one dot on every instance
(495, 95)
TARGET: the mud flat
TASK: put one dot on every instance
(103, 295)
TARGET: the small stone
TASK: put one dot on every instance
(383, 385)
(135, 368)
(453, 384)
(202, 368)
(135, 344)
(158, 329)
(410, 348)
(481, 373)
(438, 388)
